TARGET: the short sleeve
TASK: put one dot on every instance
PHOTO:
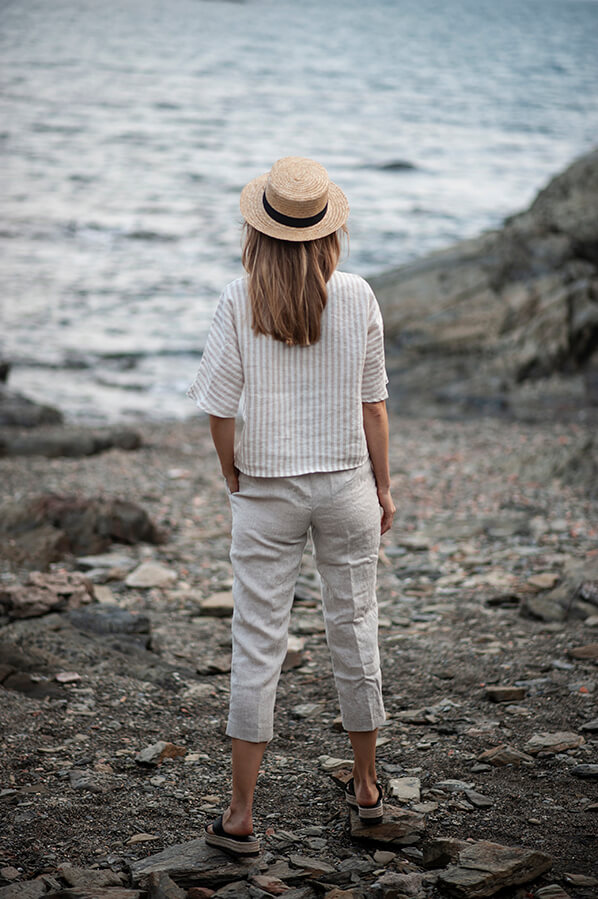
(375, 379)
(219, 382)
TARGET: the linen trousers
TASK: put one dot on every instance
(271, 519)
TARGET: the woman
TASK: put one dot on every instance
(301, 346)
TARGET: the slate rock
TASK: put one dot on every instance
(160, 886)
(590, 726)
(24, 889)
(106, 619)
(188, 862)
(503, 754)
(478, 799)
(555, 742)
(505, 694)
(551, 891)
(88, 877)
(394, 886)
(43, 593)
(405, 789)
(483, 868)
(585, 772)
(84, 780)
(442, 851)
(590, 651)
(399, 827)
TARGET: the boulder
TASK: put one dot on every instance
(67, 441)
(483, 868)
(465, 326)
(18, 411)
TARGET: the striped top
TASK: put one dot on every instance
(301, 406)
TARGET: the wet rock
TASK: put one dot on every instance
(155, 754)
(504, 754)
(67, 441)
(405, 789)
(556, 742)
(151, 574)
(505, 694)
(219, 605)
(192, 861)
(18, 411)
(399, 827)
(88, 877)
(483, 868)
(43, 593)
(585, 772)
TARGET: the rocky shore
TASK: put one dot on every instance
(114, 668)
(115, 606)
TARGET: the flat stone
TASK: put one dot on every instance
(220, 664)
(590, 726)
(581, 880)
(98, 893)
(556, 742)
(504, 754)
(151, 574)
(405, 789)
(84, 780)
(315, 866)
(484, 868)
(399, 827)
(109, 619)
(440, 852)
(545, 580)
(219, 605)
(329, 763)
(478, 799)
(160, 886)
(43, 593)
(106, 560)
(392, 884)
(542, 607)
(551, 891)
(589, 651)
(453, 786)
(307, 709)
(155, 754)
(273, 885)
(185, 862)
(505, 694)
(88, 877)
(25, 889)
(383, 856)
(586, 772)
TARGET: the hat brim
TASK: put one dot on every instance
(252, 209)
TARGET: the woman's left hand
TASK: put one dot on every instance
(232, 480)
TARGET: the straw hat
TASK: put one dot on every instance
(295, 200)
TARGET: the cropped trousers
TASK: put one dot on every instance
(271, 520)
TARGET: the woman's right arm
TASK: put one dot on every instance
(375, 425)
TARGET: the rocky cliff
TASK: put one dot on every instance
(507, 321)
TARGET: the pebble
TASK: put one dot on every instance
(155, 754)
(505, 694)
(151, 574)
(219, 605)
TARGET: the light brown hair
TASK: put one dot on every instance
(287, 284)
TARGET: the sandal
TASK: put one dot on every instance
(246, 846)
(369, 814)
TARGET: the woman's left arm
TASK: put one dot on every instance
(223, 435)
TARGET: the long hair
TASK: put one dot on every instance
(287, 284)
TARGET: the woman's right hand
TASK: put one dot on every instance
(388, 509)
(232, 480)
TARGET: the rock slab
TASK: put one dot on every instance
(484, 868)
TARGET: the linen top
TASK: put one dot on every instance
(301, 406)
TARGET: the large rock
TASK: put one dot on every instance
(399, 827)
(484, 868)
(38, 531)
(44, 593)
(189, 862)
(471, 322)
(19, 411)
(67, 441)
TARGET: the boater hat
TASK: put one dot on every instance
(295, 200)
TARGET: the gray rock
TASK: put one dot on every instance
(106, 619)
(505, 693)
(107, 561)
(478, 799)
(84, 780)
(395, 886)
(67, 442)
(88, 877)
(399, 827)
(186, 862)
(453, 786)
(160, 886)
(505, 755)
(551, 891)
(591, 726)
(24, 889)
(585, 772)
(405, 788)
(484, 868)
(18, 411)
(219, 605)
(555, 742)
(45, 593)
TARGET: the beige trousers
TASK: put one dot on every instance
(271, 520)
